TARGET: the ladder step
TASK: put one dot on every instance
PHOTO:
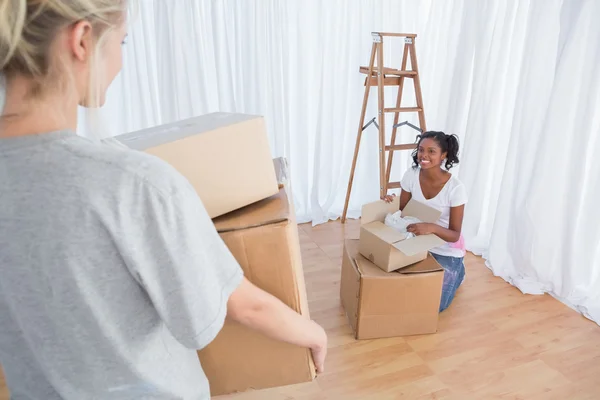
(387, 81)
(395, 147)
(393, 185)
(388, 71)
(402, 109)
(408, 35)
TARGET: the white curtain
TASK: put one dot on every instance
(532, 140)
(518, 81)
(296, 63)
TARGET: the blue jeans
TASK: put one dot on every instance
(454, 274)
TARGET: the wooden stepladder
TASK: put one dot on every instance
(380, 77)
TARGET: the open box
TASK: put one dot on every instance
(389, 249)
(387, 304)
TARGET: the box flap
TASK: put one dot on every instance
(427, 265)
(269, 211)
(421, 211)
(369, 270)
(384, 232)
(350, 283)
(418, 244)
(377, 211)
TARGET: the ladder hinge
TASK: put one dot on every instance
(408, 40)
(376, 37)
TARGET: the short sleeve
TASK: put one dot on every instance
(458, 196)
(408, 179)
(174, 251)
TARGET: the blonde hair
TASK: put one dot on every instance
(29, 27)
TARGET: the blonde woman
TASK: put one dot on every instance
(111, 272)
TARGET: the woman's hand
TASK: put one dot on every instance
(421, 229)
(319, 349)
(388, 198)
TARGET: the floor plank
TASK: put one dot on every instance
(493, 342)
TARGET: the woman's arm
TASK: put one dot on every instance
(404, 199)
(260, 311)
(450, 234)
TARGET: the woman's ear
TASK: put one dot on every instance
(80, 40)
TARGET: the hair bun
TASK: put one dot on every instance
(29, 27)
(13, 14)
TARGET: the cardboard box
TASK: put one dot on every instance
(383, 304)
(386, 247)
(225, 156)
(263, 237)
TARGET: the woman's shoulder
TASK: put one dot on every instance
(411, 175)
(454, 181)
(154, 172)
(122, 165)
(457, 192)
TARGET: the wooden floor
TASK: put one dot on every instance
(493, 342)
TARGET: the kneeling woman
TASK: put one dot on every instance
(431, 184)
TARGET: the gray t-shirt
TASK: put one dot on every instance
(111, 273)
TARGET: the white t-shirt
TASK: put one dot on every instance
(453, 194)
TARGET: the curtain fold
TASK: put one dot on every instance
(530, 154)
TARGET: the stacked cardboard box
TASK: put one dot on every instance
(385, 304)
(263, 237)
(227, 158)
(390, 284)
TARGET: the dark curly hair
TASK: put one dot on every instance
(448, 144)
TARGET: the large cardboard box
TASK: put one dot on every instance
(386, 247)
(383, 304)
(263, 237)
(225, 156)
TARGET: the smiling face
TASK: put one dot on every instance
(429, 154)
